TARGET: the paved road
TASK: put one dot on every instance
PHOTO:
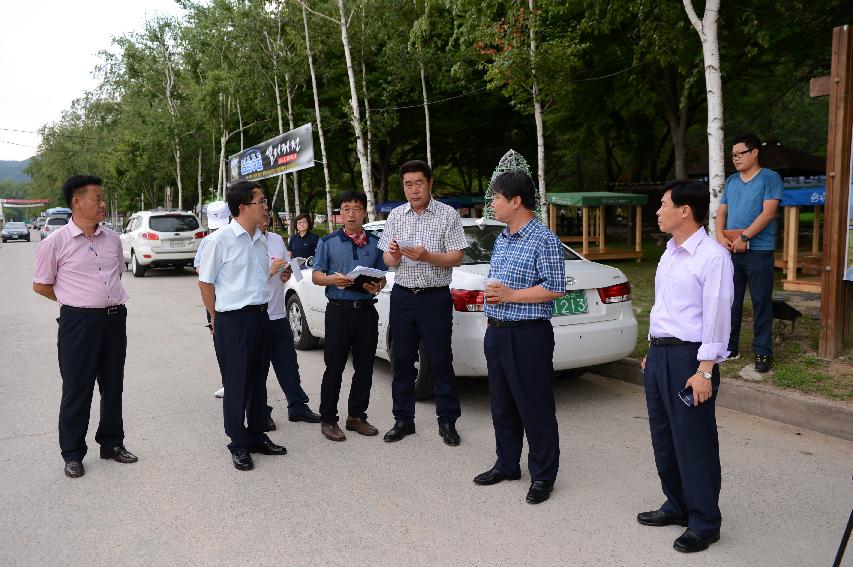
(786, 492)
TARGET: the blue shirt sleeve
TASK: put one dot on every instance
(321, 258)
(550, 265)
(773, 188)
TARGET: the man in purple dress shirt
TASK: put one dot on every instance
(80, 266)
(688, 336)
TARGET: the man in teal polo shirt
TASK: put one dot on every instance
(748, 212)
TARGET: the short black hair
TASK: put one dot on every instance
(307, 218)
(350, 196)
(750, 140)
(694, 194)
(415, 166)
(516, 184)
(77, 182)
(240, 193)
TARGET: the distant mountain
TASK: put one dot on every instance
(14, 171)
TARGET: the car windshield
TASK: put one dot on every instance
(173, 223)
(480, 244)
(15, 225)
(56, 221)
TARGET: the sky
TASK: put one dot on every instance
(48, 54)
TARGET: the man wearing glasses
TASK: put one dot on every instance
(424, 239)
(352, 323)
(746, 226)
(233, 282)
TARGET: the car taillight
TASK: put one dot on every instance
(615, 293)
(467, 300)
(148, 236)
(201, 234)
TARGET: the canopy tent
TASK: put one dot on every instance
(591, 205)
(455, 201)
(791, 259)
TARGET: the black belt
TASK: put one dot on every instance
(258, 307)
(111, 310)
(417, 290)
(353, 303)
(669, 341)
(509, 324)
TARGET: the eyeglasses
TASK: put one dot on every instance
(356, 210)
(738, 155)
(261, 202)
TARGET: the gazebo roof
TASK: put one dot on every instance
(596, 199)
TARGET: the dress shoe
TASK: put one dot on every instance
(361, 426)
(242, 461)
(691, 542)
(74, 469)
(270, 424)
(400, 430)
(332, 432)
(540, 491)
(267, 447)
(305, 414)
(494, 476)
(119, 454)
(763, 363)
(660, 518)
(448, 433)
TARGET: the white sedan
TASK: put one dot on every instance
(593, 323)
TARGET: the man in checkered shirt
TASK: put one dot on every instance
(424, 239)
(527, 274)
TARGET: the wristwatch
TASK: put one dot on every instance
(744, 237)
(705, 375)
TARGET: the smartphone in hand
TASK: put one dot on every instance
(686, 395)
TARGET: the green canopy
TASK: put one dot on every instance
(596, 199)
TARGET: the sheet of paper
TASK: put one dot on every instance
(297, 271)
(364, 271)
(407, 244)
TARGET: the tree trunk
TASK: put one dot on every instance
(199, 181)
(367, 118)
(178, 175)
(537, 113)
(319, 121)
(707, 29)
(356, 115)
(292, 127)
(426, 115)
(281, 178)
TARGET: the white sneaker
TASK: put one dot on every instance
(219, 393)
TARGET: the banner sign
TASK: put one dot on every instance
(283, 154)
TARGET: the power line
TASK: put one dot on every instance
(21, 131)
(15, 144)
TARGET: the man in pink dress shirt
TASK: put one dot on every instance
(689, 329)
(80, 266)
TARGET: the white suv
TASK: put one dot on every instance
(160, 238)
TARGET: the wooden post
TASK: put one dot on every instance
(552, 220)
(816, 231)
(601, 229)
(833, 304)
(639, 229)
(792, 227)
(585, 237)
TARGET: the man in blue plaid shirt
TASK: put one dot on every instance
(527, 274)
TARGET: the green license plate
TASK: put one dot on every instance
(572, 303)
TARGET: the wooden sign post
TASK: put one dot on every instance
(836, 295)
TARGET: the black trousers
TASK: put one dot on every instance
(427, 317)
(684, 438)
(243, 339)
(753, 269)
(521, 388)
(91, 348)
(348, 329)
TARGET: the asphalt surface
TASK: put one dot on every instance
(787, 492)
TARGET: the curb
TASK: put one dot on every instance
(791, 408)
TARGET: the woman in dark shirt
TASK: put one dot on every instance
(303, 244)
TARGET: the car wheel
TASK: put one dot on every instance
(424, 381)
(302, 337)
(136, 268)
(571, 374)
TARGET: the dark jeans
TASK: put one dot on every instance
(427, 317)
(521, 377)
(348, 329)
(244, 341)
(91, 348)
(753, 268)
(283, 358)
(684, 438)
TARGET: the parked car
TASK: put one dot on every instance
(160, 238)
(16, 231)
(51, 224)
(593, 323)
